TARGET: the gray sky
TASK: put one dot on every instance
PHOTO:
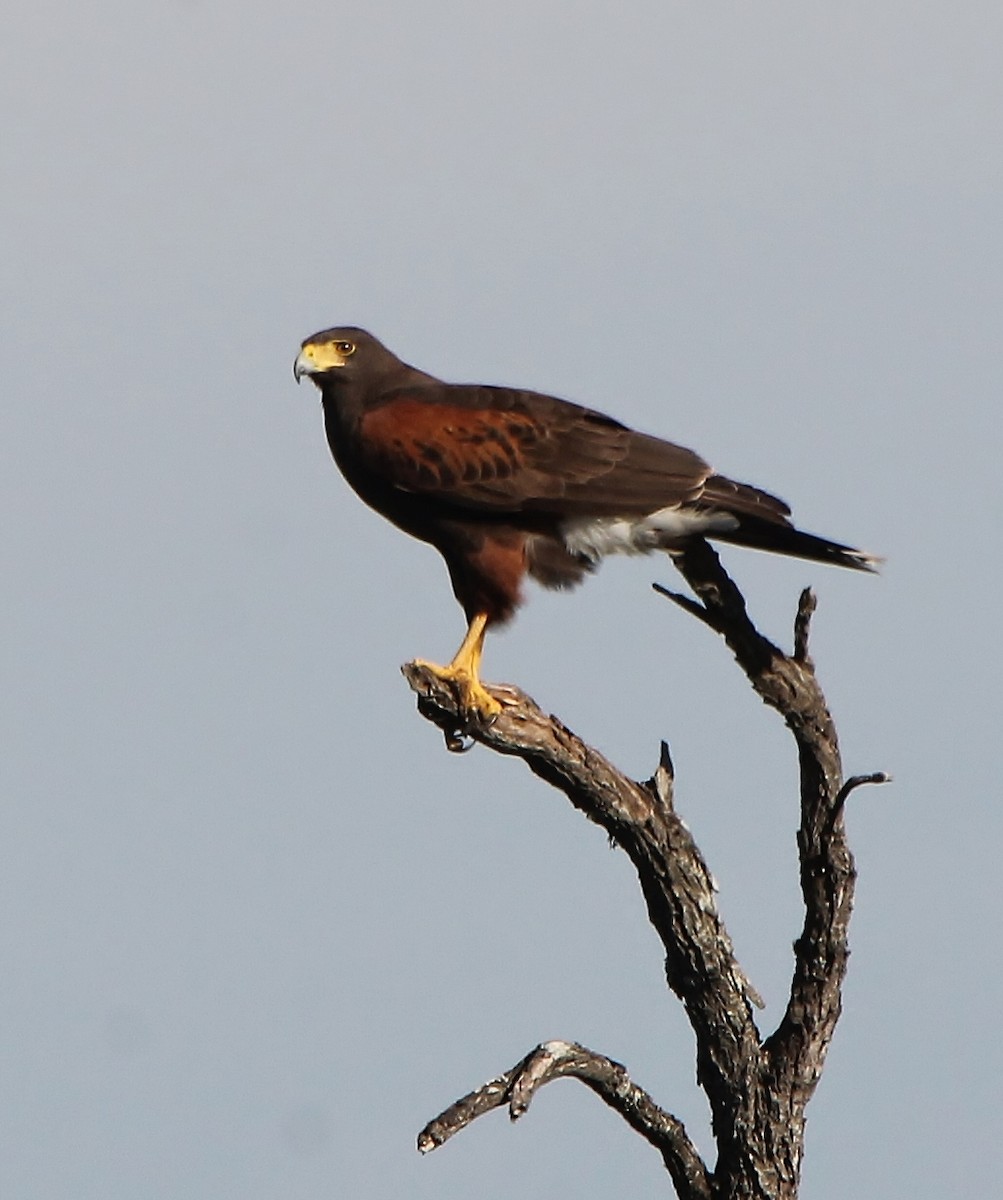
(233, 960)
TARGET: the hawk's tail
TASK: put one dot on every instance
(777, 538)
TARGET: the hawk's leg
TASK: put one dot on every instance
(463, 671)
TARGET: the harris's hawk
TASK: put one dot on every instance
(507, 483)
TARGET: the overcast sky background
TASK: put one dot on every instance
(257, 925)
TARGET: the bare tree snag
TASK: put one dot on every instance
(757, 1088)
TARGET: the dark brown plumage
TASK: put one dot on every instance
(505, 483)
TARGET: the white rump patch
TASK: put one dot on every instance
(595, 537)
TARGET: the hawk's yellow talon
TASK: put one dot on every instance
(474, 697)
(462, 672)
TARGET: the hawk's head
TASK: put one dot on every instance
(342, 352)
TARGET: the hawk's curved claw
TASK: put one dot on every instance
(458, 741)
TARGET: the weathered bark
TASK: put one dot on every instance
(608, 1079)
(757, 1088)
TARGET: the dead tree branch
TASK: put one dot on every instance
(609, 1080)
(757, 1089)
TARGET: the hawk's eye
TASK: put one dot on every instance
(345, 348)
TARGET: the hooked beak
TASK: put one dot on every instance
(304, 365)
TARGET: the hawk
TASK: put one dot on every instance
(506, 483)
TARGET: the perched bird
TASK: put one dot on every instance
(505, 483)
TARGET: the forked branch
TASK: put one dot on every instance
(757, 1089)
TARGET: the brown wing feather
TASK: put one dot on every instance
(651, 475)
(743, 499)
(506, 450)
